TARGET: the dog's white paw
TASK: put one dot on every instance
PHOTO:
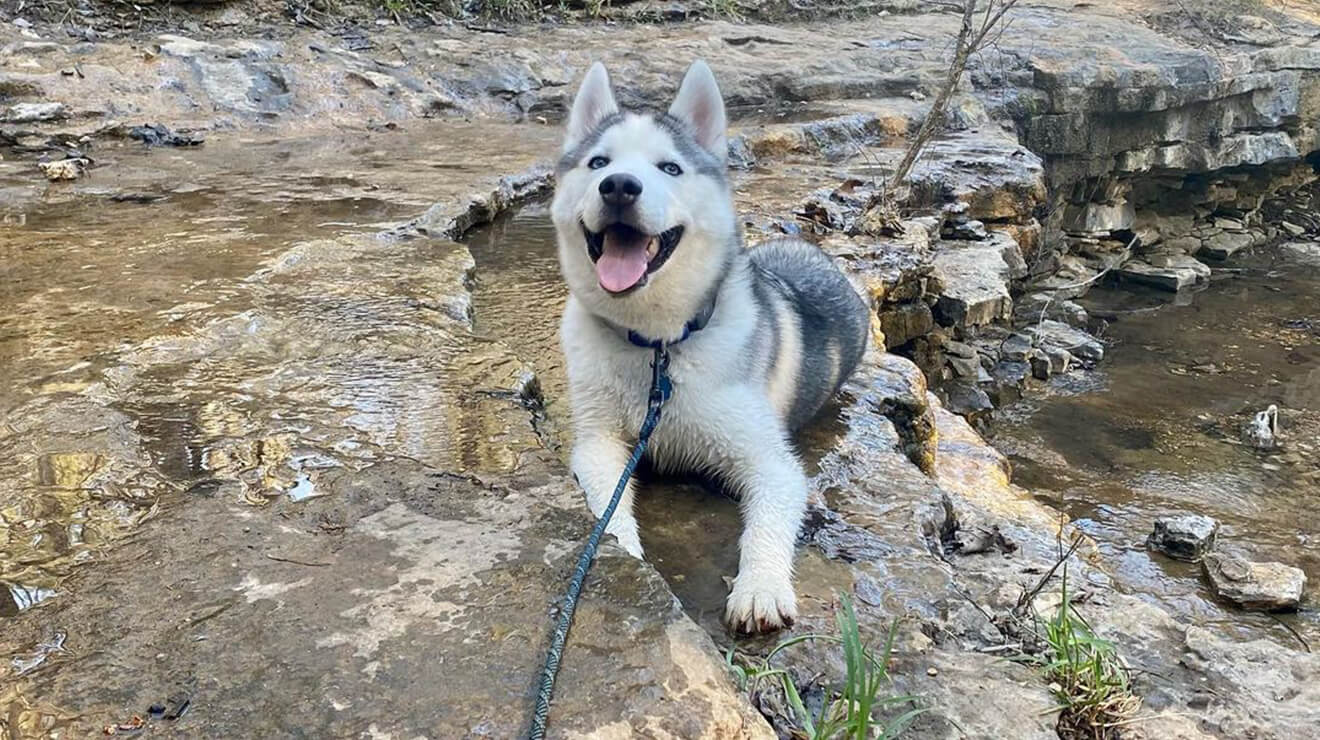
(760, 605)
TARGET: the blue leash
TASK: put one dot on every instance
(661, 389)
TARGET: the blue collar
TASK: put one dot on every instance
(696, 324)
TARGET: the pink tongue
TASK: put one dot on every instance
(622, 262)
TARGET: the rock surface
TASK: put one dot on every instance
(1185, 537)
(1053, 335)
(1171, 272)
(1265, 586)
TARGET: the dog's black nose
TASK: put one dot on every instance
(620, 189)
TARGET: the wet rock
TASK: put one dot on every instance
(968, 368)
(1009, 377)
(1225, 244)
(1041, 368)
(1262, 586)
(155, 134)
(975, 277)
(1262, 432)
(1171, 272)
(64, 169)
(988, 171)
(36, 112)
(1305, 252)
(1181, 244)
(904, 322)
(1072, 278)
(896, 389)
(967, 400)
(1055, 335)
(1099, 218)
(1016, 348)
(970, 230)
(1185, 537)
(1060, 359)
(1033, 307)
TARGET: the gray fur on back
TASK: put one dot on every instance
(834, 320)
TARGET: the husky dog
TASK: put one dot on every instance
(759, 339)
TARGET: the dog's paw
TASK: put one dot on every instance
(759, 606)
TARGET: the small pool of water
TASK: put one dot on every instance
(1155, 430)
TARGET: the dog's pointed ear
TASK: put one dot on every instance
(700, 105)
(593, 104)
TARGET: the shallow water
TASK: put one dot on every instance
(221, 320)
(1155, 430)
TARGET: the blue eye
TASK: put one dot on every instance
(597, 162)
(669, 168)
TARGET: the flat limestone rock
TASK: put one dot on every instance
(1263, 586)
(1171, 272)
(1224, 245)
(1054, 335)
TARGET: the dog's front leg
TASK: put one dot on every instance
(598, 460)
(746, 442)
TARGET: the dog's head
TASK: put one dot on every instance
(642, 205)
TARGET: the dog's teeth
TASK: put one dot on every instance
(652, 247)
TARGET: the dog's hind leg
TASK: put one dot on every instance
(598, 461)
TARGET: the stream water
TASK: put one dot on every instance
(175, 253)
(1155, 431)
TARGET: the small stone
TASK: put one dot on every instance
(968, 401)
(36, 112)
(64, 169)
(1292, 228)
(1262, 586)
(1185, 537)
(1057, 335)
(1036, 306)
(965, 367)
(1229, 224)
(1040, 365)
(1061, 360)
(967, 230)
(1223, 245)
(932, 671)
(1016, 348)
(904, 322)
(1184, 244)
(959, 349)
(1167, 271)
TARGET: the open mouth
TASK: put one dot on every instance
(625, 256)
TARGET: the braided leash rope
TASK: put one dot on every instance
(661, 388)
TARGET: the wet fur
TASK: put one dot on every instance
(787, 329)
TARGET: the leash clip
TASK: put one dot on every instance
(661, 387)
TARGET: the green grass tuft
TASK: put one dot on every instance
(849, 710)
(1087, 676)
